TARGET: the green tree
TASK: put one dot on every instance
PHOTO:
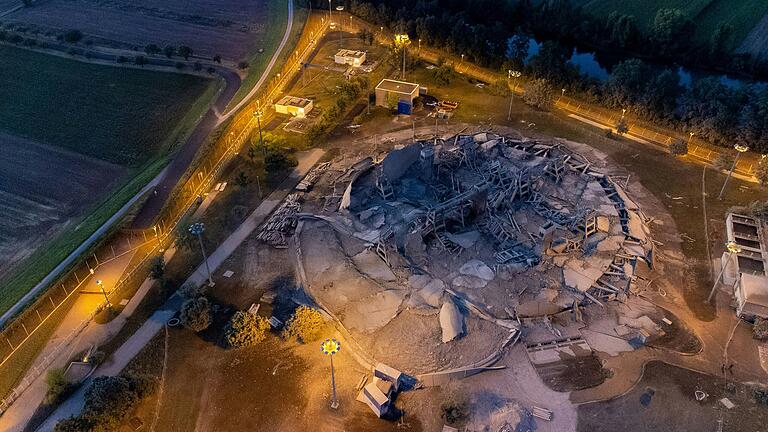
(721, 41)
(217, 59)
(108, 400)
(551, 63)
(671, 31)
(245, 329)
(169, 51)
(724, 161)
(140, 61)
(538, 93)
(760, 329)
(678, 148)
(185, 52)
(152, 49)
(761, 172)
(57, 385)
(622, 127)
(157, 271)
(74, 424)
(73, 36)
(305, 324)
(196, 314)
(443, 75)
(242, 179)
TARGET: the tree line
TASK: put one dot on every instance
(646, 83)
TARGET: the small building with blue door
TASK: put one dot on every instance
(398, 95)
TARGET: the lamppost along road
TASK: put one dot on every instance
(330, 347)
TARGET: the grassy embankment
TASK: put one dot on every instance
(277, 20)
(124, 116)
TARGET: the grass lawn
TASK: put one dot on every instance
(276, 23)
(120, 115)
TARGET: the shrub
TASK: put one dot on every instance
(761, 396)
(760, 329)
(157, 271)
(455, 408)
(278, 159)
(74, 424)
(761, 172)
(73, 36)
(724, 161)
(196, 314)
(242, 65)
(245, 329)
(107, 402)
(678, 148)
(57, 385)
(538, 93)
(622, 127)
(305, 324)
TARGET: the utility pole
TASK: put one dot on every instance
(101, 285)
(197, 229)
(516, 75)
(739, 150)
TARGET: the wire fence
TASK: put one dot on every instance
(235, 135)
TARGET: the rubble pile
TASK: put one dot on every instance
(444, 238)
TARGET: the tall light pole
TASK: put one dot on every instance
(690, 137)
(419, 46)
(341, 33)
(197, 229)
(330, 347)
(733, 249)
(623, 112)
(516, 75)
(258, 114)
(402, 40)
(739, 150)
(101, 285)
(562, 93)
(330, 13)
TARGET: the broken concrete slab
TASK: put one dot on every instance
(465, 240)
(477, 269)
(451, 321)
(374, 312)
(469, 282)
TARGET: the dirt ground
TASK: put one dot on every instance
(664, 401)
(36, 205)
(232, 29)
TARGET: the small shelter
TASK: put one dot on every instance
(295, 106)
(397, 94)
(350, 57)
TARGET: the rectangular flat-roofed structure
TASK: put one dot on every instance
(295, 106)
(396, 94)
(350, 57)
(745, 270)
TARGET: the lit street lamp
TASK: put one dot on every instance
(197, 229)
(402, 41)
(739, 150)
(733, 249)
(341, 34)
(101, 285)
(330, 347)
(623, 112)
(690, 137)
(562, 93)
(330, 13)
(516, 75)
(258, 114)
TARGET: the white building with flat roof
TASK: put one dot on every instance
(295, 106)
(350, 57)
(745, 270)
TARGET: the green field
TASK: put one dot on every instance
(743, 15)
(278, 20)
(119, 115)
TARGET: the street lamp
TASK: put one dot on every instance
(402, 41)
(419, 46)
(739, 150)
(562, 93)
(258, 114)
(330, 13)
(197, 229)
(733, 249)
(341, 34)
(101, 285)
(515, 75)
(623, 111)
(690, 137)
(330, 347)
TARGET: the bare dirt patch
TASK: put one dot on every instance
(664, 400)
(41, 190)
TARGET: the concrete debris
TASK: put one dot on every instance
(465, 240)
(469, 282)
(477, 269)
(280, 225)
(451, 321)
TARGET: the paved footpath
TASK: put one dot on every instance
(149, 329)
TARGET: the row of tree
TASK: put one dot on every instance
(480, 29)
